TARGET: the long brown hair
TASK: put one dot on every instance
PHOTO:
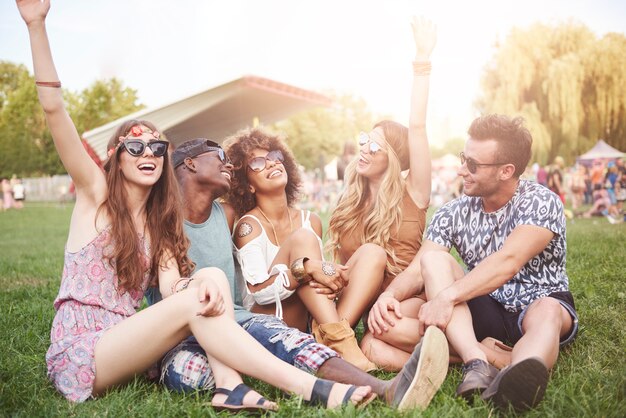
(239, 148)
(164, 222)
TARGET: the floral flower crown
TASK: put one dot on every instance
(134, 132)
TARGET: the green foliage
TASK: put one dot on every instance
(589, 379)
(569, 85)
(26, 146)
(452, 146)
(318, 135)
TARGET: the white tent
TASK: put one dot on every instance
(601, 150)
(218, 112)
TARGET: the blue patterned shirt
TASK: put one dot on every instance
(476, 234)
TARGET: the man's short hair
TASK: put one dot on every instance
(513, 138)
(191, 149)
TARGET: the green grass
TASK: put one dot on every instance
(589, 379)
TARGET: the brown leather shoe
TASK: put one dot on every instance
(477, 376)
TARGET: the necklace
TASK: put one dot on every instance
(272, 225)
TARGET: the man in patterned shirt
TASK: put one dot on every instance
(510, 233)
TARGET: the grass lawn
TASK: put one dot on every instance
(589, 379)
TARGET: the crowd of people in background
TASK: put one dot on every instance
(13, 194)
(595, 188)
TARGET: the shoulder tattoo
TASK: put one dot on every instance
(244, 229)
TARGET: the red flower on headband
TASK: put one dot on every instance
(136, 130)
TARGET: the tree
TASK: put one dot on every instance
(318, 135)
(102, 102)
(569, 86)
(26, 146)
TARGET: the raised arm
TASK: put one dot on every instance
(425, 37)
(86, 175)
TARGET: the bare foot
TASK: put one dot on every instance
(338, 392)
(249, 400)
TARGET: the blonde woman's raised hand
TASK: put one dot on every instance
(33, 10)
(209, 292)
(425, 36)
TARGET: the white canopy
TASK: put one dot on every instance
(601, 150)
(218, 112)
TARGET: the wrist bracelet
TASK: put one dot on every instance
(298, 272)
(55, 84)
(185, 285)
(422, 67)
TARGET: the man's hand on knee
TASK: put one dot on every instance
(384, 313)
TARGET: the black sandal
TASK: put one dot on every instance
(234, 400)
(321, 393)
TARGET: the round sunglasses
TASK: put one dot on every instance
(259, 163)
(374, 146)
(472, 165)
(136, 147)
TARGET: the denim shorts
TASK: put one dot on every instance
(490, 319)
(185, 368)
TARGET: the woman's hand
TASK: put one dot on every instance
(333, 277)
(33, 10)
(209, 292)
(425, 36)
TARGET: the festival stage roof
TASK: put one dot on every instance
(219, 111)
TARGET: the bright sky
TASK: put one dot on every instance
(170, 49)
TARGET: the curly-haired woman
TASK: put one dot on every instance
(279, 247)
(380, 217)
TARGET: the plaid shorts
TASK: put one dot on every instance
(185, 368)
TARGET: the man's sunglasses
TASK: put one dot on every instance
(220, 153)
(136, 147)
(472, 165)
(258, 164)
(374, 146)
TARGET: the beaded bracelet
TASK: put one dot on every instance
(185, 285)
(55, 84)
(422, 67)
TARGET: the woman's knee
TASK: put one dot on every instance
(214, 274)
(375, 254)
(304, 236)
(543, 311)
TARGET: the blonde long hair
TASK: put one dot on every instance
(376, 224)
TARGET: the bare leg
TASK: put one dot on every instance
(226, 377)
(122, 352)
(440, 270)
(544, 324)
(366, 274)
(304, 243)
(392, 349)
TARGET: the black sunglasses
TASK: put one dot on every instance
(220, 154)
(136, 147)
(374, 146)
(259, 163)
(472, 165)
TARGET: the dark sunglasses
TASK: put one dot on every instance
(374, 146)
(259, 163)
(136, 147)
(472, 165)
(220, 154)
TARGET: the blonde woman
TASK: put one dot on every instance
(379, 220)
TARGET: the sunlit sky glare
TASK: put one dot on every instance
(168, 50)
